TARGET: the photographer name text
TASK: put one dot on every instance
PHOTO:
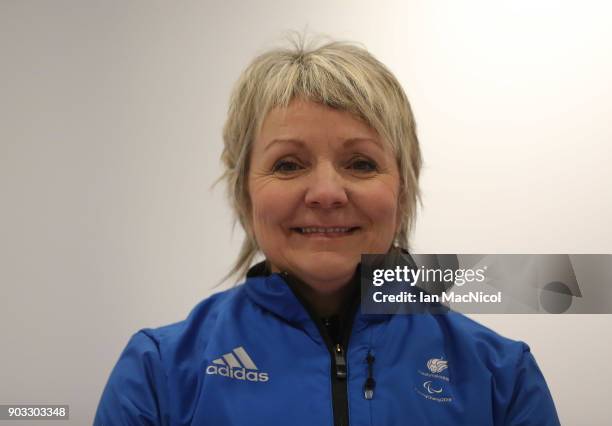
(450, 297)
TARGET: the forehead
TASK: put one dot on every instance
(308, 122)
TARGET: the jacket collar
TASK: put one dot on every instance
(275, 292)
(272, 292)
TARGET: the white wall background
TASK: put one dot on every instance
(110, 123)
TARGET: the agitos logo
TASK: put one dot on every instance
(237, 365)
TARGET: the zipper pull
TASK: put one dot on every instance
(370, 383)
(340, 362)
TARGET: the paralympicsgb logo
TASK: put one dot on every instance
(435, 385)
(436, 365)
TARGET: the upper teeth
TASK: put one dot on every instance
(306, 230)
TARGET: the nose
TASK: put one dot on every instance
(326, 188)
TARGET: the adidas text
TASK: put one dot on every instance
(237, 364)
(237, 373)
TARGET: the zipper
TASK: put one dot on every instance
(339, 367)
(370, 383)
(340, 362)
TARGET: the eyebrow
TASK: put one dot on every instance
(347, 143)
(298, 142)
(353, 141)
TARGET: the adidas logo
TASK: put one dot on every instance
(237, 365)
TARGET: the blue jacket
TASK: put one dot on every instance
(255, 355)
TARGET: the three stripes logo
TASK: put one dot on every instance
(237, 364)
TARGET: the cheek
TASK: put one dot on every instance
(381, 204)
(385, 199)
(271, 207)
(264, 207)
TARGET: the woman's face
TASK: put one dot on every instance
(324, 189)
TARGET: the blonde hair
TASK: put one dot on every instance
(340, 75)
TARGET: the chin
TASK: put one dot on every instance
(326, 266)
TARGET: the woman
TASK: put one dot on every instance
(322, 162)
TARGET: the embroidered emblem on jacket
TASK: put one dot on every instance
(238, 365)
(436, 365)
(434, 384)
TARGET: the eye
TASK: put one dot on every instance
(286, 166)
(363, 165)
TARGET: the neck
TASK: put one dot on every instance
(328, 304)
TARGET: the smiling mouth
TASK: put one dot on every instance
(326, 231)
